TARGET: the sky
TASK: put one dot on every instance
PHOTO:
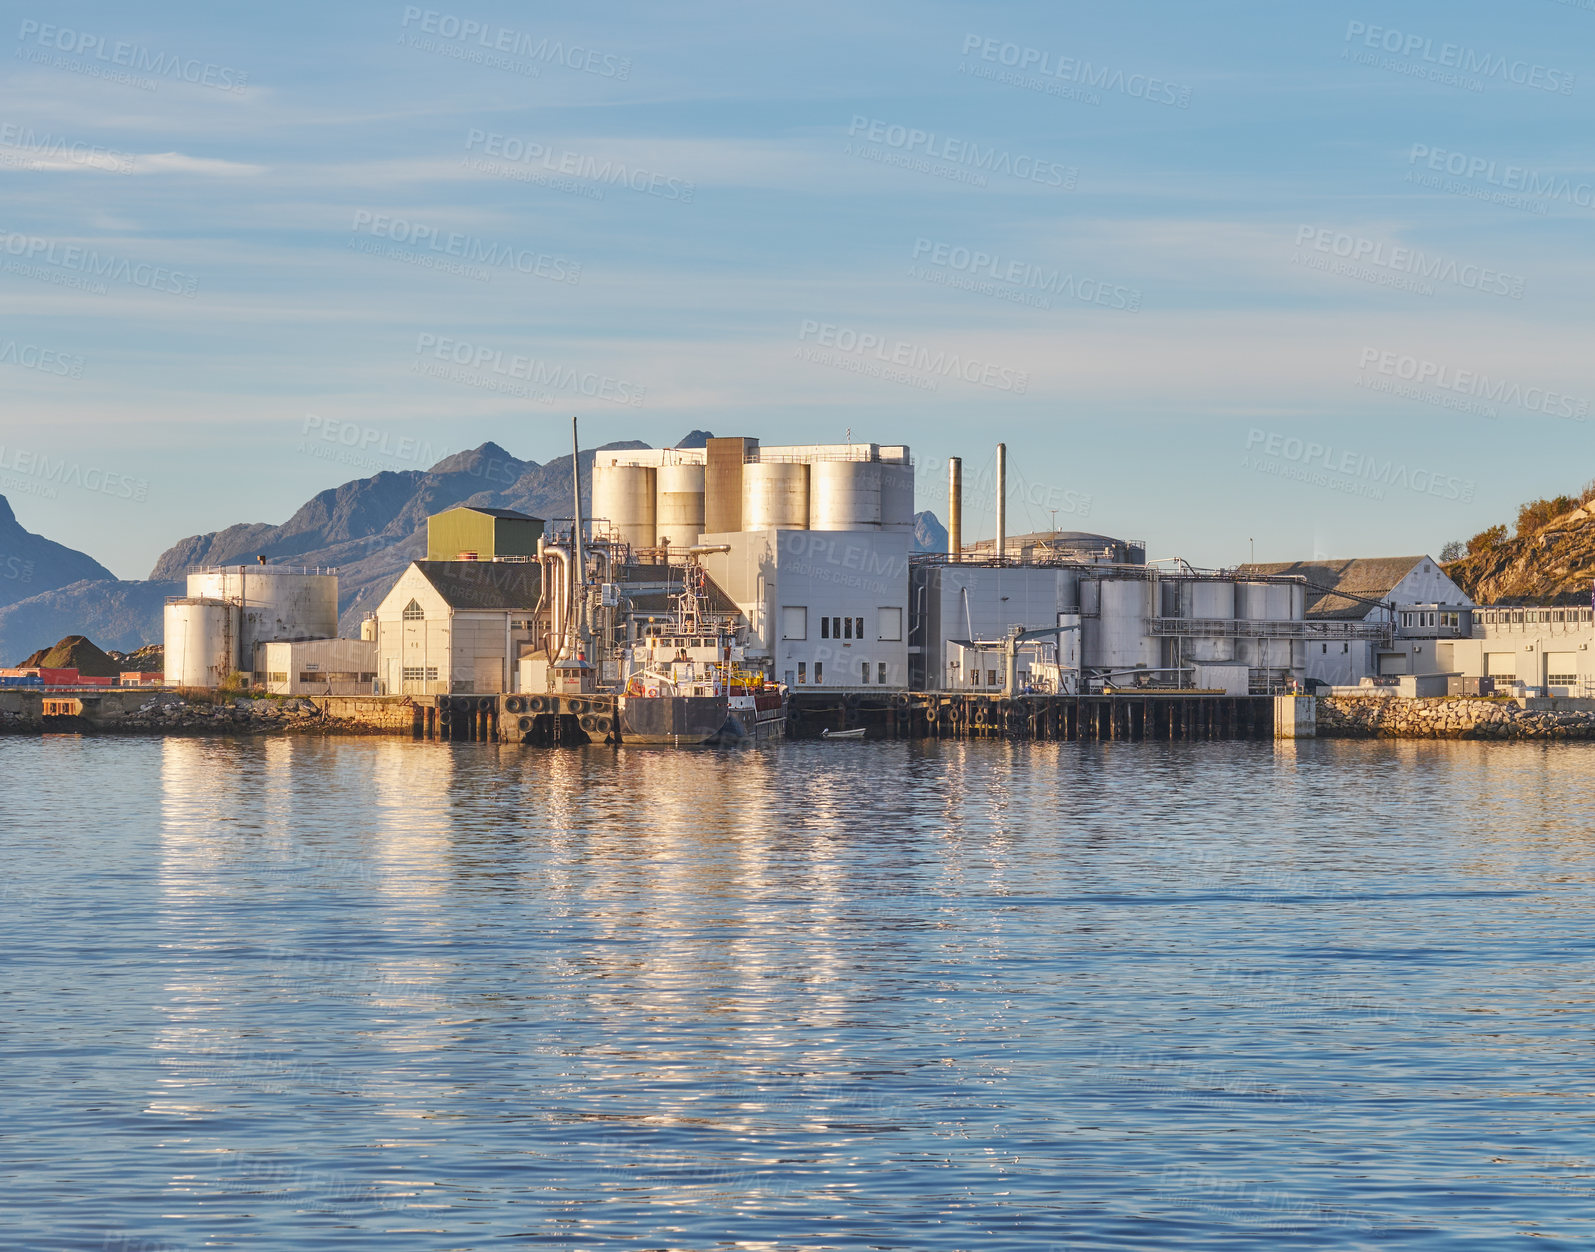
(1238, 279)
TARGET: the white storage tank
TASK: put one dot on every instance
(775, 493)
(845, 495)
(1123, 641)
(897, 497)
(678, 509)
(278, 601)
(625, 497)
(1207, 600)
(201, 640)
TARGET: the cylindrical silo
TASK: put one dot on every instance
(624, 496)
(201, 639)
(678, 511)
(775, 493)
(1208, 600)
(897, 497)
(1123, 641)
(844, 495)
(279, 602)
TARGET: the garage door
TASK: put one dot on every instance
(1500, 664)
(1561, 673)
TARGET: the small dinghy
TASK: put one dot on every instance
(843, 734)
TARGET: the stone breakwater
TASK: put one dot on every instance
(1396, 717)
(171, 713)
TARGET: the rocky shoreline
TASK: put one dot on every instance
(168, 713)
(1395, 717)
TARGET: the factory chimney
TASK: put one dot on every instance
(1002, 501)
(955, 507)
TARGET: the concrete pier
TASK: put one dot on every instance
(939, 715)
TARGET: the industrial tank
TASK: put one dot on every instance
(280, 602)
(845, 495)
(897, 497)
(1205, 600)
(775, 493)
(678, 510)
(1123, 641)
(624, 496)
(201, 641)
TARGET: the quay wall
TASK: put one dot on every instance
(145, 710)
(1444, 717)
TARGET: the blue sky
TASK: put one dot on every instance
(1309, 279)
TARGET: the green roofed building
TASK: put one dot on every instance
(467, 533)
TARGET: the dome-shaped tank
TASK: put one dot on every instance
(844, 495)
(897, 497)
(624, 498)
(201, 640)
(775, 493)
(678, 511)
(1208, 600)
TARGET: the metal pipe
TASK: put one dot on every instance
(578, 564)
(1002, 501)
(955, 507)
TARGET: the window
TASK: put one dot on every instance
(819, 672)
(1561, 680)
(1325, 647)
(803, 671)
(277, 676)
(825, 628)
(860, 622)
(836, 628)
(882, 674)
(412, 673)
(991, 678)
(890, 623)
(413, 612)
(847, 627)
(866, 673)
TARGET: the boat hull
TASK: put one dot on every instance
(672, 719)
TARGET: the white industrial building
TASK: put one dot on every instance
(317, 667)
(455, 627)
(212, 633)
(1366, 590)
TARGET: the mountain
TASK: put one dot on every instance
(31, 564)
(370, 529)
(119, 615)
(929, 534)
(75, 652)
(696, 439)
(1551, 561)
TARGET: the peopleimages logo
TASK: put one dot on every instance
(1471, 383)
(44, 151)
(1323, 465)
(85, 265)
(50, 38)
(1462, 60)
(900, 354)
(1422, 266)
(557, 161)
(1048, 65)
(1020, 281)
(908, 143)
(514, 368)
(1515, 178)
(475, 38)
(468, 250)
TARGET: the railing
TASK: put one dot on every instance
(1241, 627)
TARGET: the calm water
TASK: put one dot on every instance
(375, 994)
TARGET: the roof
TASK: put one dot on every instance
(664, 602)
(509, 514)
(485, 584)
(1332, 584)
